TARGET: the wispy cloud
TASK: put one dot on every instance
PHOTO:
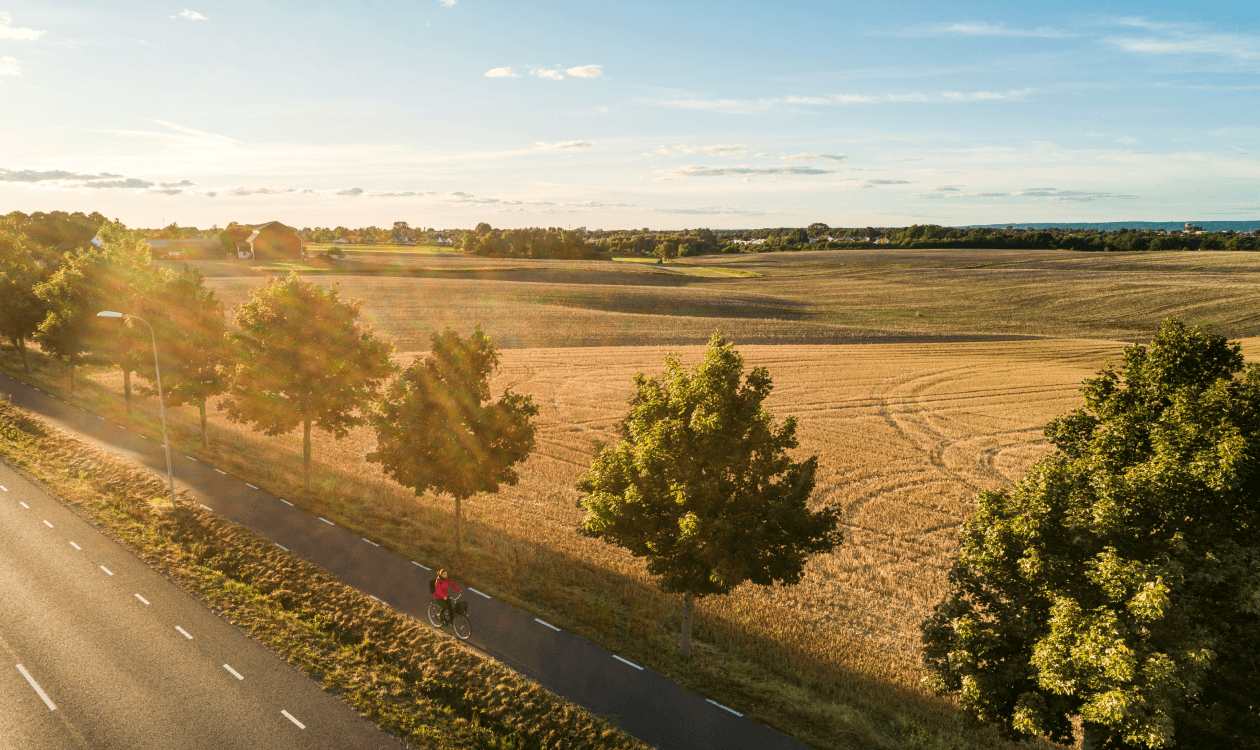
(699, 171)
(1043, 194)
(986, 96)
(586, 71)
(816, 157)
(1187, 39)
(721, 149)
(9, 67)
(711, 211)
(10, 32)
(564, 144)
(501, 73)
(873, 183)
(30, 175)
(190, 15)
(448, 3)
(983, 28)
(550, 75)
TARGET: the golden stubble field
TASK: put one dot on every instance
(906, 434)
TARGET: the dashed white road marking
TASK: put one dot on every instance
(418, 565)
(72, 544)
(373, 597)
(475, 591)
(107, 570)
(221, 471)
(325, 520)
(145, 437)
(724, 708)
(289, 716)
(286, 502)
(2, 487)
(101, 418)
(369, 541)
(247, 484)
(39, 690)
(627, 661)
(281, 546)
(24, 505)
(141, 598)
(207, 507)
(235, 674)
(553, 627)
(49, 525)
(190, 458)
(184, 632)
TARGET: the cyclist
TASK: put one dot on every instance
(442, 592)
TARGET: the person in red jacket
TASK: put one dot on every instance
(442, 592)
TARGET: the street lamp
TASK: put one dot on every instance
(170, 474)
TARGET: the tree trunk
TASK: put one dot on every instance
(306, 452)
(205, 440)
(1090, 736)
(458, 526)
(127, 388)
(689, 605)
(26, 361)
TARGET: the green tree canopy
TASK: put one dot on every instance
(191, 338)
(93, 279)
(302, 360)
(1120, 579)
(21, 310)
(702, 486)
(436, 428)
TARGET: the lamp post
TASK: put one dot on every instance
(166, 444)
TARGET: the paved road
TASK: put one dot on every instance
(643, 702)
(99, 651)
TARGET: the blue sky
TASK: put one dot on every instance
(606, 115)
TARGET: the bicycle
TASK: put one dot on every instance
(439, 618)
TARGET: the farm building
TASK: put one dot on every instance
(272, 241)
(180, 249)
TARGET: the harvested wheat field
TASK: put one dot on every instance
(906, 435)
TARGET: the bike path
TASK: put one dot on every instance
(643, 702)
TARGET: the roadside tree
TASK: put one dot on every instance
(301, 359)
(21, 311)
(1118, 580)
(191, 339)
(91, 280)
(436, 428)
(702, 486)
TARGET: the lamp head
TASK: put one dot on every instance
(108, 314)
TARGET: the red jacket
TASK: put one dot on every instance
(441, 590)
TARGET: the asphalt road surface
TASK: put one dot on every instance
(643, 702)
(99, 651)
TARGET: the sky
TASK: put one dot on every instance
(446, 113)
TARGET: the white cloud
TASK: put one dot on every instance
(501, 73)
(1238, 47)
(711, 211)
(586, 71)
(721, 149)
(982, 28)
(564, 144)
(448, 3)
(9, 67)
(551, 75)
(191, 15)
(743, 169)
(985, 96)
(1043, 194)
(873, 183)
(9, 32)
(30, 175)
(816, 157)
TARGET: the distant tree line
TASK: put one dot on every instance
(529, 243)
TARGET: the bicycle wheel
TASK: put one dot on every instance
(435, 614)
(463, 627)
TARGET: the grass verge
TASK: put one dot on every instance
(416, 683)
